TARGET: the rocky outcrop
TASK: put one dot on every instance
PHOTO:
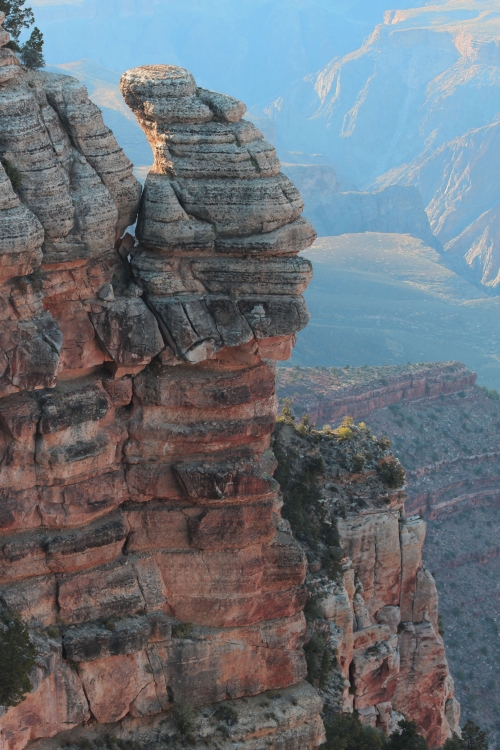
(373, 610)
(443, 427)
(141, 537)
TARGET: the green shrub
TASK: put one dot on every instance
(184, 718)
(17, 659)
(227, 713)
(345, 732)
(314, 650)
(324, 670)
(312, 610)
(13, 174)
(473, 738)
(286, 415)
(407, 738)
(183, 630)
(31, 51)
(358, 462)
(392, 472)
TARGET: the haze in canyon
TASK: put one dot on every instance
(342, 226)
(356, 97)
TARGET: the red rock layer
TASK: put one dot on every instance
(358, 401)
(139, 521)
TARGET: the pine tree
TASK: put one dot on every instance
(17, 18)
(31, 52)
(407, 738)
(473, 737)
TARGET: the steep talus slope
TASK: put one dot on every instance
(463, 552)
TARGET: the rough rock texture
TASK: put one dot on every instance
(141, 535)
(444, 428)
(372, 611)
(140, 527)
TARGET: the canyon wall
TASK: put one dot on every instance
(141, 536)
(333, 398)
(373, 607)
(140, 527)
(443, 427)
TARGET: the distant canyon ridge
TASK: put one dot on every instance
(413, 106)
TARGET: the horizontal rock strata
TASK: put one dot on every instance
(332, 398)
(373, 608)
(140, 529)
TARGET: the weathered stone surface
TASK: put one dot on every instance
(138, 514)
(85, 126)
(128, 332)
(215, 188)
(372, 543)
(423, 663)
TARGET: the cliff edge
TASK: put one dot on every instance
(141, 532)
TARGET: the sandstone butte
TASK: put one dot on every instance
(141, 537)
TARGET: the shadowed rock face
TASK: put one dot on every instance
(139, 521)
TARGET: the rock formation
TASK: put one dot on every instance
(443, 427)
(373, 604)
(141, 537)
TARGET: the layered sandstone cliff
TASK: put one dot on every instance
(330, 394)
(140, 528)
(141, 536)
(373, 606)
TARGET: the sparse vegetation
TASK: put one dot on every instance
(13, 174)
(406, 738)
(17, 18)
(392, 472)
(17, 659)
(183, 630)
(345, 732)
(184, 718)
(473, 738)
(227, 713)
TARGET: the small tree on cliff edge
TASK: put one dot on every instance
(473, 738)
(407, 738)
(17, 18)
